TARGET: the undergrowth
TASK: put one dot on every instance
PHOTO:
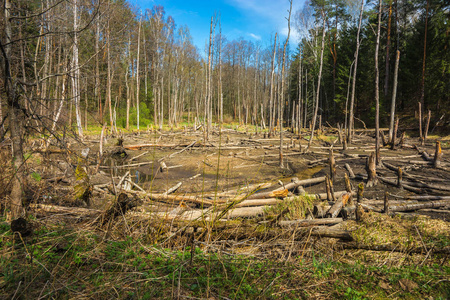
(60, 261)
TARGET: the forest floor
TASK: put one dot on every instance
(170, 215)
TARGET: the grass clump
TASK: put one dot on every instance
(292, 208)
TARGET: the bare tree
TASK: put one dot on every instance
(137, 72)
(316, 109)
(281, 102)
(377, 90)
(355, 67)
(271, 100)
(76, 70)
(394, 95)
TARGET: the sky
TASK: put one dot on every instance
(253, 20)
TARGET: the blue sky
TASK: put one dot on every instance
(254, 20)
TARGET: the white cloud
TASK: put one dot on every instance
(256, 37)
(272, 13)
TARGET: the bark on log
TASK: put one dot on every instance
(323, 196)
(304, 222)
(294, 184)
(331, 233)
(178, 198)
(405, 186)
(411, 207)
(259, 202)
(427, 197)
(245, 212)
(350, 171)
(338, 205)
(173, 189)
(320, 210)
(429, 186)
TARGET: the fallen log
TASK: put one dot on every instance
(73, 211)
(304, 222)
(350, 171)
(424, 197)
(259, 202)
(416, 206)
(320, 210)
(173, 189)
(290, 186)
(323, 196)
(178, 198)
(331, 233)
(393, 248)
(244, 212)
(336, 208)
(430, 186)
(119, 207)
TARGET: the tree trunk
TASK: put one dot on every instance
(318, 81)
(388, 45)
(371, 170)
(377, 90)
(14, 111)
(281, 103)
(271, 100)
(76, 71)
(137, 73)
(352, 99)
(422, 91)
(394, 95)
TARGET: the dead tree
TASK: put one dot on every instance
(281, 102)
(318, 80)
(371, 170)
(437, 155)
(394, 96)
(377, 90)
(352, 100)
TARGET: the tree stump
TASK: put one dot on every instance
(332, 166)
(120, 207)
(437, 155)
(386, 203)
(371, 171)
(359, 210)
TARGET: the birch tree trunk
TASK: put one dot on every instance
(377, 90)
(137, 73)
(271, 102)
(97, 69)
(316, 109)
(281, 103)
(394, 96)
(76, 71)
(352, 99)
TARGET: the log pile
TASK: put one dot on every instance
(331, 204)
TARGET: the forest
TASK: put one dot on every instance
(135, 165)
